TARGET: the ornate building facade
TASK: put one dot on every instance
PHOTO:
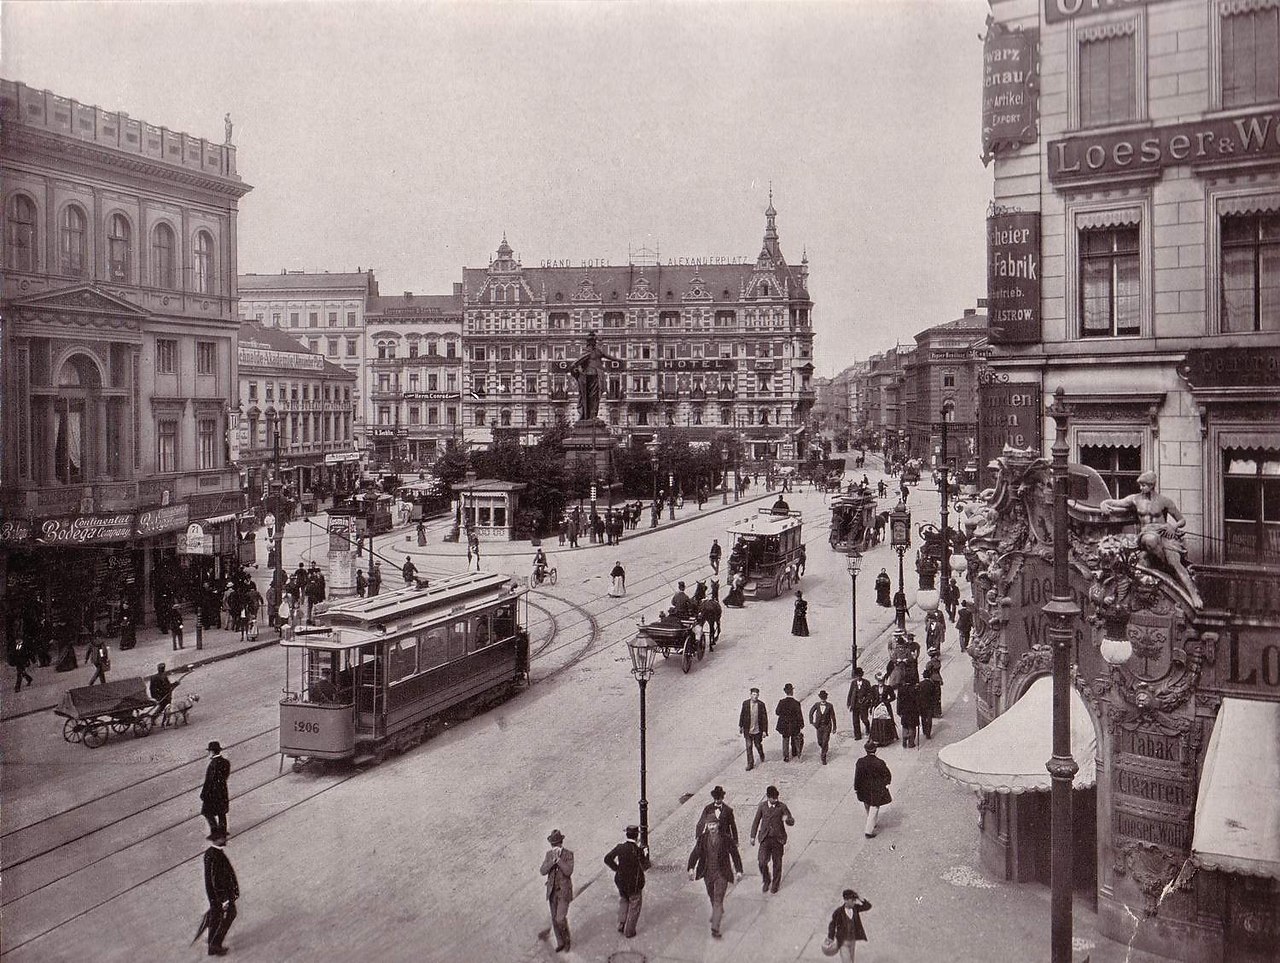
(706, 347)
(119, 352)
(415, 376)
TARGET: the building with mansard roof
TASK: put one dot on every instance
(702, 346)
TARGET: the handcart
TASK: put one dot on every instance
(685, 638)
(94, 712)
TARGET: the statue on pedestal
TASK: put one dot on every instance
(588, 372)
(1159, 532)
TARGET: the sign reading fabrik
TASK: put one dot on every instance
(1010, 64)
(81, 529)
(1008, 414)
(1013, 278)
(1217, 141)
(1057, 11)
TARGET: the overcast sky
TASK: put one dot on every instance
(407, 137)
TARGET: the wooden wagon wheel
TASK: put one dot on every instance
(95, 734)
(72, 731)
(142, 725)
(688, 652)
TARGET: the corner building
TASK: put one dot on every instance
(119, 358)
(1134, 260)
(706, 347)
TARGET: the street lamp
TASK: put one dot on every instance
(642, 657)
(854, 562)
(724, 475)
(948, 411)
(1063, 612)
(671, 495)
(900, 541)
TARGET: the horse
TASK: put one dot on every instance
(709, 612)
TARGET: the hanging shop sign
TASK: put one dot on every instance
(1060, 11)
(86, 529)
(1008, 414)
(1010, 90)
(171, 518)
(1214, 142)
(195, 541)
(1013, 277)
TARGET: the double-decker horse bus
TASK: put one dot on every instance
(376, 673)
(767, 548)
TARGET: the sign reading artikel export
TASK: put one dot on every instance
(1013, 277)
(1010, 82)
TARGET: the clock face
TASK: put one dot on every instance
(899, 534)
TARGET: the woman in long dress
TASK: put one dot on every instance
(883, 586)
(618, 585)
(883, 730)
(800, 623)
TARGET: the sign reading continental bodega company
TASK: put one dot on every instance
(1013, 277)
(1010, 64)
(1057, 11)
(1216, 141)
(82, 529)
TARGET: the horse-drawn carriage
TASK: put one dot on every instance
(853, 521)
(93, 713)
(911, 472)
(685, 638)
(768, 549)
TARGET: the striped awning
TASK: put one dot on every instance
(1110, 437)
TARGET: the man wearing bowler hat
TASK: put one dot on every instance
(223, 889)
(721, 812)
(557, 867)
(628, 860)
(214, 799)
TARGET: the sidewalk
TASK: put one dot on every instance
(931, 897)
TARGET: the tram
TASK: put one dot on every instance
(376, 673)
(853, 521)
(767, 548)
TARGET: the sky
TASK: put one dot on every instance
(408, 137)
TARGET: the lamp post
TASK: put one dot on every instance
(900, 540)
(642, 656)
(855, 565)
(724, 475)
(1062, 612)
(671, 495)
(948, 410)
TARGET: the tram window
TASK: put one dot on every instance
(433, 649)
(504, 622)
(457, 639)
(480, 632)
(404, 660)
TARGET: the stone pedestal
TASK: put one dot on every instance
(590, 444)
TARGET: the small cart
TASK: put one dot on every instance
(92, 713)
(685, 638)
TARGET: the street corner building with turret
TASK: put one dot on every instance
(1133, 270)
(705, 344)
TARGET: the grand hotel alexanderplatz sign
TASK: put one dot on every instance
(1214, 142)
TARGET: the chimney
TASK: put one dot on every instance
(457, 289)
(982, 304)
(969, 312)
(408, 295)
(284, 270)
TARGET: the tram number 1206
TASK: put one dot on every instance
(312, 727)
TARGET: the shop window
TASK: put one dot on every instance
(166, 445)
(1110, 286)
(1108, 78)
(20, 233)
(204, 266)
(71, 249)
(207, 436)
(1251, 504)
(1118, 466)
(118, 254)
(1251, 272)
(1250, 54)
(206, 358)
(166, 356)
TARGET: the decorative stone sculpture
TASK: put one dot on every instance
(588, 372)
(1160, 531)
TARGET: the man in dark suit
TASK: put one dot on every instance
(716, 861)
(722, 812)
(770, 827)
(860, 700)
(557, 867)
(790, 724)
(822, 714)
(628, 862)
(845, 928)
(753, 723)
(871, 778)
(214, 798)
(223, 889)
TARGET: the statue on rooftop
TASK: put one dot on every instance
(1160, 530)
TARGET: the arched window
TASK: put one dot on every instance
(118, 254)
(163, 257)
(204, 262)
(72, 241)
(20, 233)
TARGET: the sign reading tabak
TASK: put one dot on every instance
(1215, 141)
(1013, 278)
(1010, 63)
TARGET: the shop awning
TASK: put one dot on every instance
(1009, 754)
(219, 519)
(1237, 819)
